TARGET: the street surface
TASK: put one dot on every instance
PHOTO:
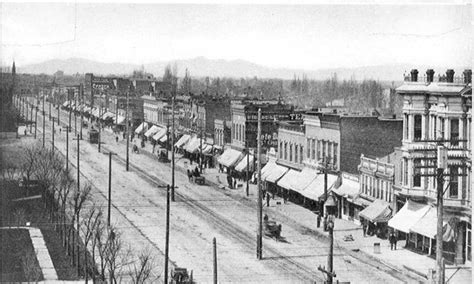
(199, 214)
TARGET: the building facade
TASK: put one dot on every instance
(437, 111)
(291, 144)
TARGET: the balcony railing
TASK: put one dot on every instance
(376, 166)
(436, 79)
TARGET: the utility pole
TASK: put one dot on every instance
(172, 149)
(75, 113)
(200, 147)
(126, 131)
(81, 92)
(50, 107)
(36, 120)
(110, 188)
(167, 233)
(259, 214)
(67, 144)
(247, 171)
(59, 109)
(99, 124)
(214, 245)
(44, 122)
(439, 225)
(329, 272)
(31, 117)
(78, 169)
(52, 134)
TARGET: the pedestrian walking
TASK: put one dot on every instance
(364, 228)
(268, 199)
(235, 183)
(393, 241)
(116, 139)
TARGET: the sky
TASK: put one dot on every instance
(290, 36)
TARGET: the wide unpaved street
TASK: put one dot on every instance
(199, 214)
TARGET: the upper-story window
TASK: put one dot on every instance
(441, 128)
(418, 127)
(453, 182)
(301, 154)
(308, 148)
(454, 132)
(296, 153)
(313, 148)
(286, 150)
(416, 172)
(291, 152)
(281, 149)
(407, 128)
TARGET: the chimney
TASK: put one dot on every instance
(467, 76)
(414, 75)
(429, 75)
(450, 76)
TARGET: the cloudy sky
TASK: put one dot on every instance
(296, 36)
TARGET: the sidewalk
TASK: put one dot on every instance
(401, 259)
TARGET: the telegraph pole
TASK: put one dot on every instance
(52, 134)
(126, 132)
(439, 227)
(36, 120)
(81, 92)
(167, 233)
(31, 118)
(247, 172)
(110, 188)
(44, 122)
(200, 147)
(67, 144)
(172, 149)
(214, 245)
(99, 124)
(75, 113)
(50, 107)
(329, 272)
(78, 153)
(259, 214)
(59, 109)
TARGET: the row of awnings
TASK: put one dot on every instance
(420, 219)
(305, 182)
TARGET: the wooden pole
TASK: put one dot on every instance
(439, 228)
(44, 122)
(126, 133)
(167, 236)
(110, 189)
(214, 245)
(172, 150)
(81, 92)
(259, 213)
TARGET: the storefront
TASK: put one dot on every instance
(375, 217)
(141, 128)
(230, 158)
(406, 218)
(271, 173)
(346, 194)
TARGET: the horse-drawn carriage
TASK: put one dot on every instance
(271, 228)
(180, 276)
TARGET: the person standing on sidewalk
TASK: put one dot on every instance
(393, 241)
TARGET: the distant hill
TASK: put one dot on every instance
(202, 67)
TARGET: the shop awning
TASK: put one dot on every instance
(229, 158)
(119, 119)
(66, 103)
(377, 211)
(182, 140)
(193, 145)
(206, 149)
(107, 115)
(428, 225)
(153, 129)
(242, 165)
(160, 133)
(87, 109)
(289, 180)
(306, 176)
(359, 200)
(142, 127)
(316, 188)
(273, 172)
(164, 139)
(348, 188)
(408, 216)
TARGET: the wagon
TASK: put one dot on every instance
(180, 276)
(272, 229)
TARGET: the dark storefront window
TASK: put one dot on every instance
(416, 172)
(453, 182)
(454, 132)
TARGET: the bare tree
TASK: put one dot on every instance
(90, 221)
(29, 163)
(142, 268)
(99, 242)
(19, 215)
(117, 256)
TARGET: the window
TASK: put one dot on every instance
(324, 150)
(308, 148)
(406, 126)
(318, 150)
(301, 154)
(453, 182)
(313, 147)
(435, 119)
(418, 127)
(405, 171)
(416, 172)
(382, 189)
(281, 150)
(441, 127)
(335, 156)
(286, 150)
(296, 153)
(291, 152)
(454, 132)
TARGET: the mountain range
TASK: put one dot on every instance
(202, 67)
